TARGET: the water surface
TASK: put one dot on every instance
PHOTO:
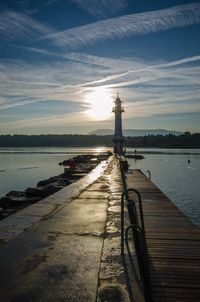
(179, 180)
(175, 176)
(24, 167)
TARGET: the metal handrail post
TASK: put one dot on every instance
(137, 224)
(140, 204)
(122, 222)
(142, 267)
(149, 173)
(125, 193)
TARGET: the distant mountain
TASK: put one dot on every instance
(101, 132)
(132, 132)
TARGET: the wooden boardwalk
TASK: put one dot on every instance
(173, 244)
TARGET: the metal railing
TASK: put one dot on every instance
(149, 174)
(139, 240)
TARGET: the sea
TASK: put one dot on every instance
(175, 171)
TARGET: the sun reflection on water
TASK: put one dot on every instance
(101, 149)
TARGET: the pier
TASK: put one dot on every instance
(173, 244)
(67, 247)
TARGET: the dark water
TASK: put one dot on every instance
(179, 180)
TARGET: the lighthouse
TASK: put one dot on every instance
(118, 135)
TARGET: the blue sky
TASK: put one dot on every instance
(61, 58)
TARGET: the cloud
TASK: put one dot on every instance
(97, 8)
(22, 83)
(147, 88)
(16, 25)
(115, 72)
(85, 58)
(120, 27)
(143, 72)
(101, 8)
(73, 79)
(63, 120)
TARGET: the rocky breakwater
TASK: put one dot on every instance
(74, 169)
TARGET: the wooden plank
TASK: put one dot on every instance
(162, 294)
(173, 244)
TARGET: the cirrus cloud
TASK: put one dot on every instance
(124, 26)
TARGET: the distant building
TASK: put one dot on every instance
(118, 135)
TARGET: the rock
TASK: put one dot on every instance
(15, 194)
(13, 199)
(47, 181)
(33, 192)
(1, 212)
(41, 192)
(8, 202)
(62, 182)
(112, 293)
(49, 190)
(63, 163)
(4, 201)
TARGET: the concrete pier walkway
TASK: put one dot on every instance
(67, 246)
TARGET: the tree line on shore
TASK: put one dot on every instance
(186, 140)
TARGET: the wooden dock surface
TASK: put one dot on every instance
(173, 244)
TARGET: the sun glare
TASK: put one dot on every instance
(100, 104)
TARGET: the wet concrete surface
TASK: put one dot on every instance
(13, 225)
(58, 257)
(78, 217)
(72, 252)
(112, 283)
(43, 267)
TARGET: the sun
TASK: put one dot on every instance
(100, 104)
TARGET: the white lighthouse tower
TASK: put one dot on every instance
(118, 135)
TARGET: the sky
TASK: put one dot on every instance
(62, 63)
